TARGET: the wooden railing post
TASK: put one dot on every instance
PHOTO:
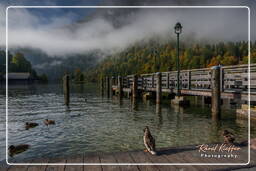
(142, 83)
(135, 87)
(189, 80)
(120, 86)
(66, 89)
(158, 87)
(167, 80)
(215, 79)
(221, 79)
(153, 81)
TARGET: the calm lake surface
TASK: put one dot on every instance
(94, 123)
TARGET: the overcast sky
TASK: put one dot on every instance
(48, 29)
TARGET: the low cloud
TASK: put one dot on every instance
(60, 36)
(47, 64)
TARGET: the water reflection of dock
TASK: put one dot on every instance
(176, 156)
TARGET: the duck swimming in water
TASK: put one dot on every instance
(29, 125)
(149, 141)
(229, 137)
(49, 122)
(13, 150)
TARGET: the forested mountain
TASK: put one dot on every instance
(55, 66)
(153, 57)
(145, 56)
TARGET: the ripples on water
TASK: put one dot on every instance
(98, 124)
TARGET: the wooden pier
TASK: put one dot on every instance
(229, 82)
(177, 156)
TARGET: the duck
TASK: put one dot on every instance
(29, 125)
(149, 141)
(13, 150)
(229, 137)
(49, 122)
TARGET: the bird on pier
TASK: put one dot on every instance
(13, 150)
(229, 137)
(29, 125)
(49, 122)
(149, 141)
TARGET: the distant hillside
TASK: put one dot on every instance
(55, 66)
(152, 57)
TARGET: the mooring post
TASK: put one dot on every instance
(120, 86)
(107, 86)
(66, 89)
(112, 82)
(216, 91)
(135, 87)
(102, 86)
(158, 87)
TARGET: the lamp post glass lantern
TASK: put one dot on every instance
(178, 30)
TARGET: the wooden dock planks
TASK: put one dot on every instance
(78, 159)
(92, 159)
(109, 159)
(126, 158)
(186, 154)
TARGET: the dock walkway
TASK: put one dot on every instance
(185, 154)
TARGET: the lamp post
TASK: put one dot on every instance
(178, 30)
(155, 53)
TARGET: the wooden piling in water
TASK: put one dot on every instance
(120, 86)
(135, 87)
(216, 98)
(66, 89)
(158, 87)
(112, 82)
(107, 86)
(102, 86)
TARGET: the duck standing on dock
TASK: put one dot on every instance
(17, 149)
(229, 137)
(29, 125)
(149, 141)
(49, 122)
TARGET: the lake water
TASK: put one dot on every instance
(94, 123)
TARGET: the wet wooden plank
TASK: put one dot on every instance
(185, 158)
(193, 156)
(140, 157)
(75, 160)
(109, 159)
(125, 158)
(3, 168)
(38, 167)
(17, 168)
(170, 155)
(92, 159)
(160, 159)
(56, 167)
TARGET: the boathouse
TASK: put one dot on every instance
(19, 78)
